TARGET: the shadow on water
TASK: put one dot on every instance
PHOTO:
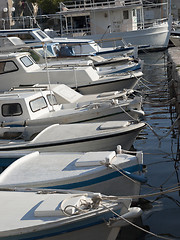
(160, 146)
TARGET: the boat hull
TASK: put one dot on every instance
(102, 142)
(113, 183)
(44, 215)
(64, 171)
(155, 37)
(127, 82)
(71, 233)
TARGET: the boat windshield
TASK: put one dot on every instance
(52, 99)
(38, 104)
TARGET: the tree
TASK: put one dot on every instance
(47, 6)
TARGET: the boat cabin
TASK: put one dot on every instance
(26, 105)
(28, 35)
(17, 62)
(20, 69)
(54, 46)
(58, 46)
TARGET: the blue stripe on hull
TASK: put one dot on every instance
(101, 179)
(71, 227)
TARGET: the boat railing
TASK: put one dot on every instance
(155, 22)
(4, 95)
(77, 31)
(91, 5)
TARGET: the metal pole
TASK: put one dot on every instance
(169, 7)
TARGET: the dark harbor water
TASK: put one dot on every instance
(161, 214)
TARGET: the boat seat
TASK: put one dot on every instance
(56, 205)
(90, 159)
(114, 124)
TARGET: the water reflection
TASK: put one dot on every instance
(132, 233)
(161, 154)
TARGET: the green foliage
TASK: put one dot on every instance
(47, 6)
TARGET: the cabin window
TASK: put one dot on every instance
(8, 66)
(11, 109)
(49, 48)
(26, 61)
(52, 99)
(126, 14)
(38, 104)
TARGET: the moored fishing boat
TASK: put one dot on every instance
(73, 137)
(109, 172)
(62, 215)
(85, 79)
(114, 22)
(43, 105)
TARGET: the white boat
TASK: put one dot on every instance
(114, 22)
(66, 47)
(72, 137)
(62, 215)
(21, 66)
(49, 53)
(103, 66)
(71, 47)
(108, 172)
(39, 107)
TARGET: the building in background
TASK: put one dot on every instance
(21, 13)
(175, 7)
(17, 14)
(7, 11)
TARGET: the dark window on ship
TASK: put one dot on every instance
(8, 66)
(126, 14)
(38, 104)
(134, 12)
(52, 99)
(11, 109)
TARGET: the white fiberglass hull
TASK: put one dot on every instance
(79, 171)
(155, 37)
(113, 84)
(52, 139)
(44, 215)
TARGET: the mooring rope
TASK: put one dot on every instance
(120, 170)
(134, 225)
(129, 115)
(167, 134)
(163, 192)
(170, 101)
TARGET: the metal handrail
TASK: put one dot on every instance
(69, 5)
